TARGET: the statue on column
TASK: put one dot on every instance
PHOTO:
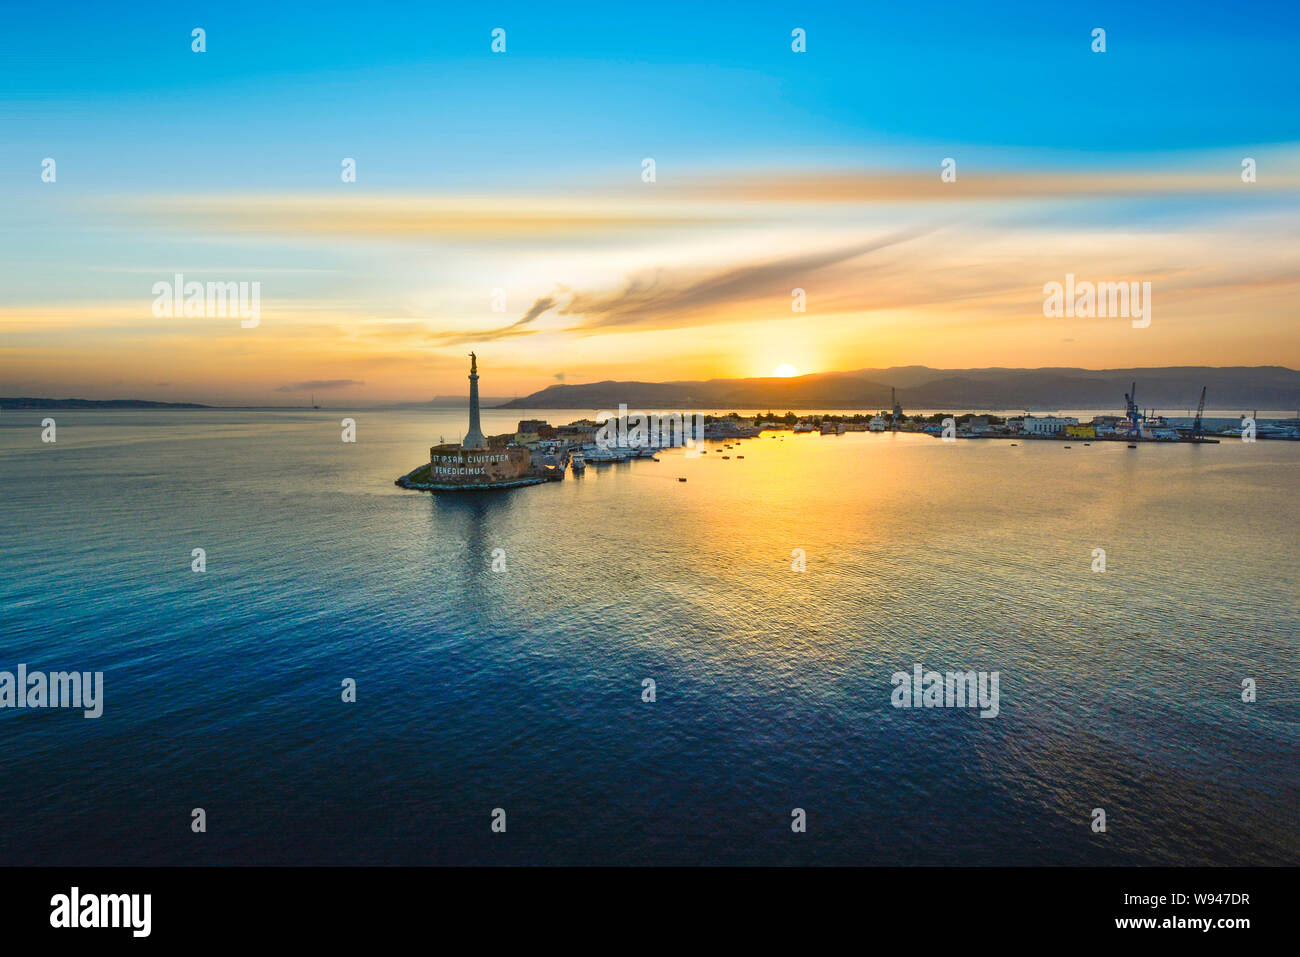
(473, 364)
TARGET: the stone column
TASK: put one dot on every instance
(474, 437)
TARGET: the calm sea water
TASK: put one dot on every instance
(522, 689)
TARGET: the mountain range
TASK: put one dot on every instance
(1173, 388)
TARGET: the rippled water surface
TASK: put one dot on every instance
(522, 689)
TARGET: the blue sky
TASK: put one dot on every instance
(414, 90)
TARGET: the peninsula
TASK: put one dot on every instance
(479, 463)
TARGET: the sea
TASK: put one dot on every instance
(628, 668)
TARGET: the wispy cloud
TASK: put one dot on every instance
(516, 328)
(320, 385)
(665, 299)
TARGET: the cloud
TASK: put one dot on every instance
(664, 299)
(516, 328)
(420, 219)
(892, 186)
(323, 385)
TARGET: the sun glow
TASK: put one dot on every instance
(785, 371)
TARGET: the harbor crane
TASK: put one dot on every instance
(1198, 429)
(1132, 411)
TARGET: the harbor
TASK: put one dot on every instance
(538, 452)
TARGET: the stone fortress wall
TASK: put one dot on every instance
(451, 464)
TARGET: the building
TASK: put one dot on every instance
(532, 431)
(1081, 431)
(582, 432)
(1109, 425)
(1046, 424)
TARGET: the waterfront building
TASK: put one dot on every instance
(1046, 424)
(532, 431)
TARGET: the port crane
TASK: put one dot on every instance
(1198, 430)
(1132, 411)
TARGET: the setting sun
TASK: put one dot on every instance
(785, 371)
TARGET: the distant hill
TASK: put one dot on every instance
(30, 403)
(1174, 389)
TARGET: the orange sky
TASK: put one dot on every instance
(377, 297)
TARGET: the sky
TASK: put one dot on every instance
(501, 201)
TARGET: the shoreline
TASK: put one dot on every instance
(409, 482)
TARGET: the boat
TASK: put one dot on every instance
(740, 456)
(578, 462)
(595, 455)
(681, 480)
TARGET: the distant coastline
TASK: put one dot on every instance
(1172, 388)
(921, 387)
(28, 402)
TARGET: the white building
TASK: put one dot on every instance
(1046, 424)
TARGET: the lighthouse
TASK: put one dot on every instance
(474, 437)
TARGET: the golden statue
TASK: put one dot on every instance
(473, 364)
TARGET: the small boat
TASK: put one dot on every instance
(578, 462)
(1068, 446)
(1014, 444)
(1132, 446)
(681, 480)
(1086, 444)
(726, 456)
(740, 456)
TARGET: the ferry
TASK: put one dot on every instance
(577, 461)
